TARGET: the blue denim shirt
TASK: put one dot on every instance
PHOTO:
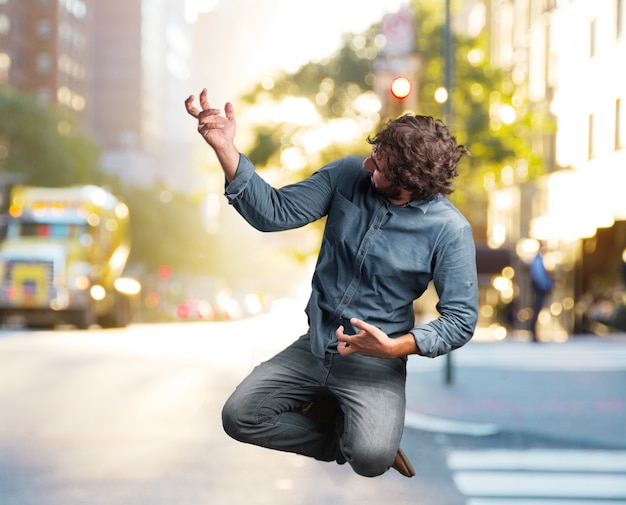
(376, 258)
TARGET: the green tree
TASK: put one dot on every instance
(480, 94)
(167, 229)
(43, 146)
(333, 86)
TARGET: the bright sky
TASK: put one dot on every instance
(286, 40)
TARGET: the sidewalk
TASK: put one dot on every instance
(574, 390)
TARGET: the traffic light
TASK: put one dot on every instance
(165, 272)
(401, 87)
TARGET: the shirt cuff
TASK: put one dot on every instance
(428, 341)
(245, 171)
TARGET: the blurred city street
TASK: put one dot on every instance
(133, 417)
(129, 223)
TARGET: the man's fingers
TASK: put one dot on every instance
(206, 111)
(190, 107)
(361, 325)
(346, 339)
(204, 102)
(345, 349)
(229, 110)
(342, 337)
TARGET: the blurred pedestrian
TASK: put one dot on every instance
(338, 392)
(623, 267)
(542, 285)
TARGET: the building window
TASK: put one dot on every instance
(592, 39)
(43, 63)
(618, 124)
(44, 95)
(5, 66)
(549, 5)
(5, 24)
(590, 138)
(77, 8)
(44, 29)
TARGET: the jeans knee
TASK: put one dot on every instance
(233, 421)
(371, 462)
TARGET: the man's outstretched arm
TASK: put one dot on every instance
(218, 131)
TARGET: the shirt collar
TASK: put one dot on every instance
(423, 205)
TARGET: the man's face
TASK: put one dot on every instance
(382, 185)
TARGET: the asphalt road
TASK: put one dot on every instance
(132, 417)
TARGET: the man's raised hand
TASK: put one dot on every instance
(217, 130)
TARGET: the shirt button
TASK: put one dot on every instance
(344, 301)
(376, 227)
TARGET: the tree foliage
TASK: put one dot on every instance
(43, 147)
(332, 86)
(480, 93)
(167, 229)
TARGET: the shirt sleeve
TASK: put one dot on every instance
(245, 171)
(270, 209)
(456, 283)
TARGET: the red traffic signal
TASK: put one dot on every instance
(165, 272)
(401, 87)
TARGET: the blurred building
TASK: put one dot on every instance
(45, 50)
(122, 67)
(140, 74)
(565, 57)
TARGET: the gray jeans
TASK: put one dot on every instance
(366, 430)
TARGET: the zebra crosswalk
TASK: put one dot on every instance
(540, 476)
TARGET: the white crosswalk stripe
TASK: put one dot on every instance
(540, 476)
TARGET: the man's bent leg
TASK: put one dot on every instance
(372, 394)
(261, 411)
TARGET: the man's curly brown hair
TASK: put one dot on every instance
(419, 154)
